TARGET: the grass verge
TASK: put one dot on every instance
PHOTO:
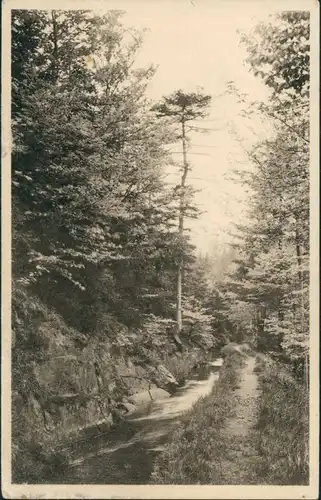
(282, 432)
(190, 456)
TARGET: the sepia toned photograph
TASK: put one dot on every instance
(161, 199)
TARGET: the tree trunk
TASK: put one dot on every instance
(179, 323)
(300, 273)
(306, 372)
(298, 254)
(179, 313)
(55, 42)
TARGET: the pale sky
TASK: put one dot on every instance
(197, 45)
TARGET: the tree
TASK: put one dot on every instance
(182, 108)
(92, 214)
(275, 244)
(87, 158)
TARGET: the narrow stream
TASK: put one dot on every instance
(125, 454)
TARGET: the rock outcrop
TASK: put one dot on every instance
(65, 381)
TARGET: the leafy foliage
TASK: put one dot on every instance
(273, 264)
(268, 46)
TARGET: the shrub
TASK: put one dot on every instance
(181, 366)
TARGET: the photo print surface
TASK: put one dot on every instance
(162, 192)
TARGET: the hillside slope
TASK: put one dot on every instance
(64, 381)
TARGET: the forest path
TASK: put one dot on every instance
(240, 464)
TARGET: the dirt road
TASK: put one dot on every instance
(239, 466)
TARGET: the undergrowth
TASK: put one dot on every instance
(190, 456)
(181, 367)
(282, 432)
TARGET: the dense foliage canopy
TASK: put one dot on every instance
(95, 226)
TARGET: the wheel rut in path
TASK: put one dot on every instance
(239, 464)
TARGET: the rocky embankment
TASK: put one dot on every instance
(65, 381)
